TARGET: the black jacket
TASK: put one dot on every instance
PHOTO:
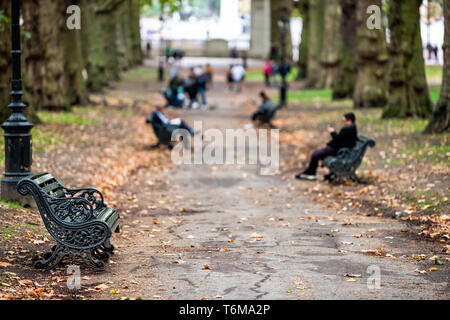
(345, 139)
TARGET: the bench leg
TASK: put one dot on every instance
(51, 259)
(91, 260)
(92, 257)
(357, 179)
(100, 254)
(155, 146)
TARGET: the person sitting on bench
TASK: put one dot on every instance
(158, 117)
(346, 138)
(266, 109)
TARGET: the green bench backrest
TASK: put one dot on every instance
(49, 184)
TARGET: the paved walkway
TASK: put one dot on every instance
(227, 232)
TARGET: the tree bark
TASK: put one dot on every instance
(440, 119)
(344, 86)
(277, 8)
(135, 30)
(315, 43)
(303, 48)
(73, 62)
(371, 85)
(330, 51)
(5, 60)
(92, 47)
(408, 89)
(44, 76)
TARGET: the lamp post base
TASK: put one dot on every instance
(8, 192)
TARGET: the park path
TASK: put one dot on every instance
(227, 232)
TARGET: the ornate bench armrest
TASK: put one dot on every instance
(94, 196)
(73, 210)
(343, 153)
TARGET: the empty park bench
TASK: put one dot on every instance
(77, 219)
(344, 165)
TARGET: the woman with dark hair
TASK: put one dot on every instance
(346, 138)
(266, 110)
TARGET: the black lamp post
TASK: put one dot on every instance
(18, 140)
(284, 66)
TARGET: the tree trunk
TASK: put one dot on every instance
(278, 7)
(109, 42)
(92, 47)
(5, 60)
(303, 48)
(440, 120)
(135, 30)
(330, 51)
(408, 89)
(371, 85)
(315, 43)
(44, 76)
(344, 86)
(73, 63)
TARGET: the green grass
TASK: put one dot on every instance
(435, 93)
(258, 75)
(65, 118)
(140, 74)
(310, 95)
(6, 232)
(12, 205)
(434, 72)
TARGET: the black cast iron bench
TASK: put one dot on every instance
(77, 219)
(344, 165)
(265, 117)
(163, 132)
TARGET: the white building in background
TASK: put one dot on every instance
(231, 26)
(239, 19)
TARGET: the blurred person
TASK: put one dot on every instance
(209, 75)
(274, 73)
(267, 72)
(158, 117)
(436, 53)
(229, 76)
(238, 76)
(266, 110)
(201, 84)
(191, 88)
(149, 49)
(346, 138)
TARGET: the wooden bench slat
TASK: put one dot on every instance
(50, 188)
(110, 216)
(44, 179)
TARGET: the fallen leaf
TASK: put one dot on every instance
(255, 235)
(350, 275)
(101, 287)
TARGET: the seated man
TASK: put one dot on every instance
(345, 139)
(159, 118)
(266, 109)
